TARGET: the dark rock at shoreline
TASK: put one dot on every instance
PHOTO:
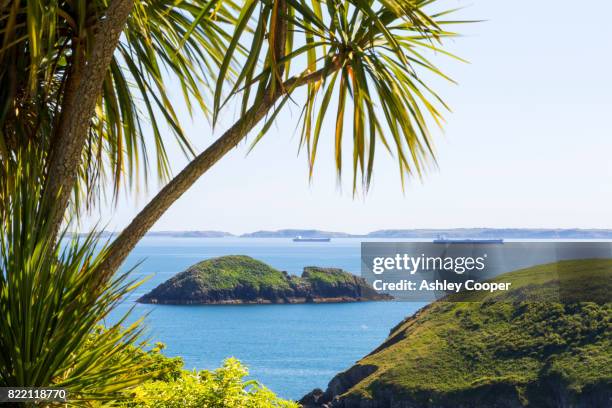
(244, 280)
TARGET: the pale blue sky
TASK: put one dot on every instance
(528, 144)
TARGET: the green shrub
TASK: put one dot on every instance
(224, 387)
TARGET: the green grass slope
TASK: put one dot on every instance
(545, 343)
(326, 276)
(236, 270)
(221, 279)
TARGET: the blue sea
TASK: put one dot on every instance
(290, 349)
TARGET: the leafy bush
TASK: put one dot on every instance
(224, 387)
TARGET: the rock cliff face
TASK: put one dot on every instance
(244, 280)
(546, 343)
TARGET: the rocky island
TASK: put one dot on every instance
(241, 279)
(545, 343)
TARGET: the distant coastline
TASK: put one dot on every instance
(474, 233)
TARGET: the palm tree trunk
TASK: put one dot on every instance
(78, 107)
(129, 237)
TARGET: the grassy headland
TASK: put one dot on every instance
(545, 343)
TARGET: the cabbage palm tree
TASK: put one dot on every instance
(81, 79)
(369, 56)
(52, 301)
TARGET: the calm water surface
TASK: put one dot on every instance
(289, 348)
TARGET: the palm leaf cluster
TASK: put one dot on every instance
(51, 301)
(374, 56)
(43, 42)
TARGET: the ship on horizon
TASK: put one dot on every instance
(299, 238)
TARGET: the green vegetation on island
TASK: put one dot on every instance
(242, 279)
(545, 343)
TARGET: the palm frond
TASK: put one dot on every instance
(166, 44)
(382, 50)
(52, 299)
